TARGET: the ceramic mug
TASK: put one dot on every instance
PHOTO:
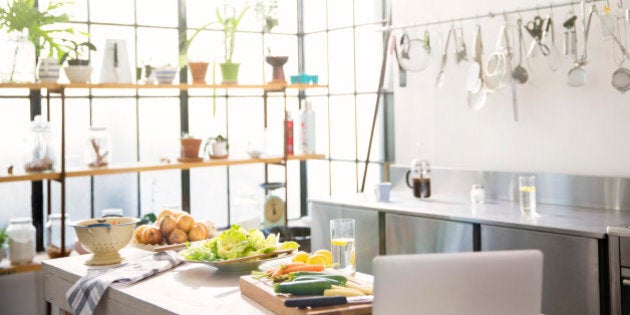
(382, 191)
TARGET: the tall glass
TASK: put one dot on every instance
(527, 194)
(342, 245)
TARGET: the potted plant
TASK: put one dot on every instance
(267, 14)
(78, 69)
(31, 30)
(3, 239)
(220, 147)
(198, 69)
(189, 148)
(230, 18)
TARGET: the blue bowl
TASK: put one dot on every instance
(315, 79)
(295, 79)
(304, 78)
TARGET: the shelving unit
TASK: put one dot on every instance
(7, 269)
(136, 167)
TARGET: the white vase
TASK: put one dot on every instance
(48, 71)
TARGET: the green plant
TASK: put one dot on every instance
(3, 236)
(230, 18)
(218, 138)
(77, 50)
(267, 14)
(183, 55)
(21, 15)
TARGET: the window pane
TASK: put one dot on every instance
(344, 178)
(315, 56)
(112, 11)
(208, 194)
(340, 13)
(370, 45)
(314, 16)
(342, 128)
(366, 11)
(157, 12)
(365, 114)
(247, 197)
(318, 178)
(341, 61)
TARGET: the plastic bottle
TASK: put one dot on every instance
(289, 134)
(308, 129)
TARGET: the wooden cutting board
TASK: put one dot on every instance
(261, 291)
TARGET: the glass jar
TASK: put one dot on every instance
(53, 236)
(40, 154)
(98, 147)
(17, 58)
(21, 233)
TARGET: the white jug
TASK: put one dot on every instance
(116, 66)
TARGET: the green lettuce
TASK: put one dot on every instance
(236, 242)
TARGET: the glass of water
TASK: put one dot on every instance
(342, 245)
(527, 194)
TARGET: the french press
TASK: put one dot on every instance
(420, 178)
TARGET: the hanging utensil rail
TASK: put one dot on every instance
(488, 15)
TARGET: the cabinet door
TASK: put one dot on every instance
(366, 231)
(414, 235)
(570, 268)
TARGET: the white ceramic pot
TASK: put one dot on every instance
(219, 149)
(78, 74)
(48, 70)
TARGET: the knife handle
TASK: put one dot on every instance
(318, 301)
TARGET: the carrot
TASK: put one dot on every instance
(294, 264)
(305, 268)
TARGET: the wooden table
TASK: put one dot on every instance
(185, 289)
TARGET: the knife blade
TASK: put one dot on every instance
(320, 301)
(116, 63)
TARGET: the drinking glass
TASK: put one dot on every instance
(527, 193)
(342, 245)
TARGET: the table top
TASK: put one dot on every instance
(577, 221)
(186, 289)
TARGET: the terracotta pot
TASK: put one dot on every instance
(198, 71)
(190, 147)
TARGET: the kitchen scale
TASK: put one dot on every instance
(274, 208)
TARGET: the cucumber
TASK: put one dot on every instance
(300, 274)
(306, 287)
(306, 278)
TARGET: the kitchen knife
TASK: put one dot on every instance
(320, 301)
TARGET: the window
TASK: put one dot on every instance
(340, 45)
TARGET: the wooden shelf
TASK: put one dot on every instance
(58, 86)
(147, 167)
(7, 269)
(30, 177)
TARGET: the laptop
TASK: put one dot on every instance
(499, 282)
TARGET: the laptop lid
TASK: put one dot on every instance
(499, 282)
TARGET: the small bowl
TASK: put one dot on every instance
(315, 79)
(166, 74)
(78, 74)
(104, 237)
(304, 78)
(295, 79)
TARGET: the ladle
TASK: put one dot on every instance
(577, 75)
(519, 73)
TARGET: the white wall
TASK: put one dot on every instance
(561, 129)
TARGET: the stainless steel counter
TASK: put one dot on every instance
(568, 220)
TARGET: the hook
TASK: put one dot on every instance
(491, 14)
(551, 11)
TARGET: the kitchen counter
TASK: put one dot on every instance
(185, 289)
(576, 221)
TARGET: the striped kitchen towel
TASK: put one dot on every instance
(84, 295)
